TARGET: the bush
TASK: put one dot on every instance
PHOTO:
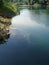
(36, 6)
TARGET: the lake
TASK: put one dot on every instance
(28, 43)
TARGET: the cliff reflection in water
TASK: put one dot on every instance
(4, 33)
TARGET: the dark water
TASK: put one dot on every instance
(29, 39)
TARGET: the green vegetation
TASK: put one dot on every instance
(7, 9)
(39, 3)
(37, 6)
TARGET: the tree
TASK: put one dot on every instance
(1, 3)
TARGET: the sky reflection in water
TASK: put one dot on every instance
(31, 26)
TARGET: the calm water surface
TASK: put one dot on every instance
(29, 39)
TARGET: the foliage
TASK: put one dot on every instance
(36, 5)
(8, 10)
(1, 3)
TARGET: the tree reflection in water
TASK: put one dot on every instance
(4, 33)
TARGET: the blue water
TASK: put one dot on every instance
(29, 39)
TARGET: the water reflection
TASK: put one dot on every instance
(34, 27)
(31, 18)
(4, 33)
(40, 16)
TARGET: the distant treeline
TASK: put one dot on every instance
(42, 3)
(38, 3)
(30, 1)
